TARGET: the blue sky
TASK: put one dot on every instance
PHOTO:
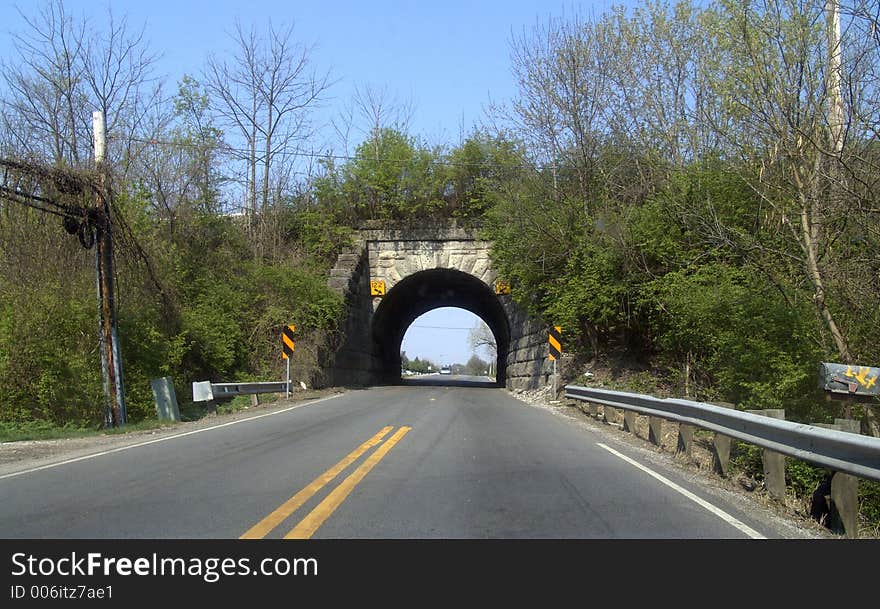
(448, 59)
(441, 336)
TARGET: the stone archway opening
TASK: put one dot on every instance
(424, 291)
(389, 277)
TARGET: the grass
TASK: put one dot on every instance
(46, 430)
(40, 430)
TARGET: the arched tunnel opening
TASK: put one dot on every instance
(427, 290)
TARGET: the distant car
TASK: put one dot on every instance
(445, 371)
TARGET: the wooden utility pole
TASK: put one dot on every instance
(835, 99)
(111, 361)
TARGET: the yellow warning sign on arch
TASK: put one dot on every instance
(502, 287)
(377, 288)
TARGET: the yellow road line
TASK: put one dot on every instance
(307, 527)
(262, 528)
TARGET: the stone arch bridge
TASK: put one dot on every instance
(424, 269)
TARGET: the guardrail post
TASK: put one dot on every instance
(774, 463)
(629, 421)
(721, 443)
(609, 414)
(591, 409)
(685, 439)
(845, 493)
(655, 430)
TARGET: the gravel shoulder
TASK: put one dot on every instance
(29, 454)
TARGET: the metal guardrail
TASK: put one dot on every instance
(206, 391)
(840, 451)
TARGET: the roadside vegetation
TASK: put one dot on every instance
(688, 187)
(703, 204)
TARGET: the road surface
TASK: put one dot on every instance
(449, 457)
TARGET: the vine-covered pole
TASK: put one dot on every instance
(111, 360)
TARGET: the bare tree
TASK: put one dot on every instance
(370, 115)
(562, 69)
(65, 70)
(121, 82)
(234, 88)
(481, 337)
(771, 69)
(179, 162)
(375, 109)
(265, 92)
(798, 110)
(46, 86)
(660, 95)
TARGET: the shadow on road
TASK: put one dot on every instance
(436, 380)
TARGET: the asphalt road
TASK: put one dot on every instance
(436, 458)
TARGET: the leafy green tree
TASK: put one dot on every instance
(478, 168)
(738, 339)
(200, 141)
(475, 366)
(389, 178)
(394, 178)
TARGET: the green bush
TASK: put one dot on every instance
(743, 342)
(193, 303)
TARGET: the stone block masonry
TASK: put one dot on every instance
(423, 269)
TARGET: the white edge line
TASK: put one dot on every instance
(172, 437)
(705, 504)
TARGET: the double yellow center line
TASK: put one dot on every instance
(308, 525)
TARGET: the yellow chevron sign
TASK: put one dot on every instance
(502, 287)
(287, 344)
(555, 342)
